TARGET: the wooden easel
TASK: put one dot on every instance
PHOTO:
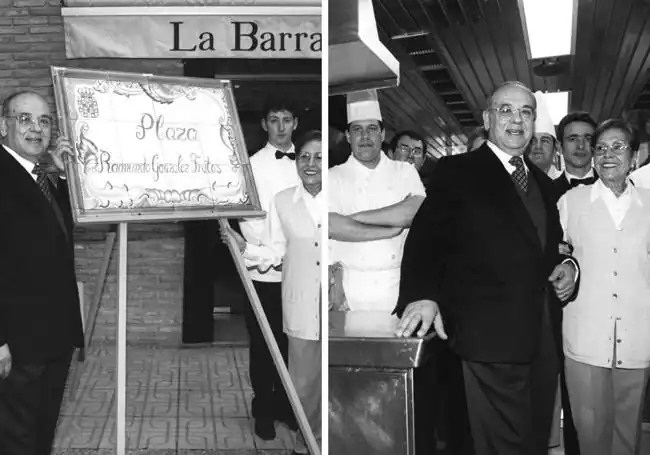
(271, 343)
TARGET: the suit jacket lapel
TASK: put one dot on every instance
(546, 187)
(500, 189)
(16, 177)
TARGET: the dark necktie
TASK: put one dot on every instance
(43, 182)
(45, 185)
(586, 181)
(279, 154)
(519, 174)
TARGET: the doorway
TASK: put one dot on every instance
(214, 298)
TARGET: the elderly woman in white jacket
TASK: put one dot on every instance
(606, 329)
(292, 239)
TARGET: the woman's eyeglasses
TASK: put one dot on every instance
(617, 148)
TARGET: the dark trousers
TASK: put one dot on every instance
(30, 402)
(569, 433)
(270, 401)
(511, 405)
(440, 404)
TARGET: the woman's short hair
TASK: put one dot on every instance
(306, 138)
(616, 124)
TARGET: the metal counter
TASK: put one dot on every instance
(371, 384)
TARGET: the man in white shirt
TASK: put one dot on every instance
(542, 148)
(274, 170)
(372, 201)
(574, 133)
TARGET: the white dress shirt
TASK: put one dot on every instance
(271, 176)
(505, 158)
(553, 172)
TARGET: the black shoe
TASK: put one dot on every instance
(265, 429)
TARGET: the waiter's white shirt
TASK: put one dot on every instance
(271, 176)
(371, 269)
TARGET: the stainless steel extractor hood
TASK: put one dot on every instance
(357, 58)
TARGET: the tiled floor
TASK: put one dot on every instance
(179, 401)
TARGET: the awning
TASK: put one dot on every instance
(182, 29)
(357, 58)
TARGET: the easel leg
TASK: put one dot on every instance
(120, 418)
(272, 344)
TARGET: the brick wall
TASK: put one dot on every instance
(32, 39)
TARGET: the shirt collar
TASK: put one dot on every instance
(570, 177)
(599, 190)
(360, 167)
(271, 149)
(28, 165)
(504, 157)
(302, 193)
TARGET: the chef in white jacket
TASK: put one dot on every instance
(372, 201)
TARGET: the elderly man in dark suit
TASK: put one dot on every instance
(40, 319)
(482, 263)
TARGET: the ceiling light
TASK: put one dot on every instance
(549, 27)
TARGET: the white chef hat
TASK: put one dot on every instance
(363, 105)
(543, 122)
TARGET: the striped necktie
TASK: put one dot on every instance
(519, 175)
(43, 182)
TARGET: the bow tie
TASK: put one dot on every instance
(279, 154)
(586, 181)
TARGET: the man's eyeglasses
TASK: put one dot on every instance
(617, 148)
(506, 111)
(26, 119)
(410, 151)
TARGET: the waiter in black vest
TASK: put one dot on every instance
(495, 303)
(574, 133)
(40, 318)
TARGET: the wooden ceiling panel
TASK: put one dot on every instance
(454, 52)
(611, 56)
(637, 73)
(633, 43)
